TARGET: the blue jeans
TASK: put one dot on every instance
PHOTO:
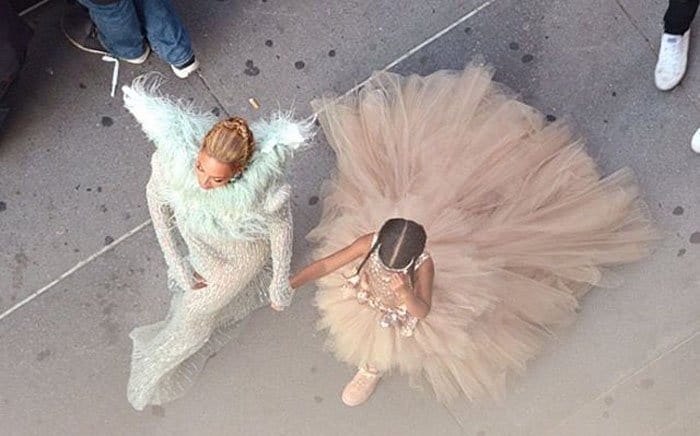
(125, 25)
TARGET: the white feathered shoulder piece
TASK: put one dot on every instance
(172, 125)
(177, 128)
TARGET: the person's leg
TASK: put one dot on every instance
(673, 51)
(14, 40)
(166, 33)
(679, 15)
(118, 26)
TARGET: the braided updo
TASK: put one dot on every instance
(230, 141)
(400, 242)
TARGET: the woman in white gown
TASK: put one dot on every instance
(220, 185)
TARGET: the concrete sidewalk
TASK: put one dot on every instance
(73, 168)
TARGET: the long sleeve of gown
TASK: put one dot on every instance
(281, 239)
(162, 217)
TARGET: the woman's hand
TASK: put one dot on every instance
(279, 308)
(199, 281)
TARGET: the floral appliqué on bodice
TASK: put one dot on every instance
(372, 286)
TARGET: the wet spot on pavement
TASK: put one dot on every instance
(251, 69)
(646, 383)
(43, 355)
(695, 238)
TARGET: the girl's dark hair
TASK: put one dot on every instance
(400, 243)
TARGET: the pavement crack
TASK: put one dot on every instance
(635, 24)
(211, 93)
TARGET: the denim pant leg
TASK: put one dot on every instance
(164, 30)
(119, 27)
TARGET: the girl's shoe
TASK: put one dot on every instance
(360, 387)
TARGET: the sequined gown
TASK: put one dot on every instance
(238, 238)
(168, 355)
(520, 225)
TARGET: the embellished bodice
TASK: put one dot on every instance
(372, 286)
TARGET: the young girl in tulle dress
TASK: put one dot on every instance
(516, 224)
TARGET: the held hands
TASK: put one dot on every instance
(279, 308)
(199, 281)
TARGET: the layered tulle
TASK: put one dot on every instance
(519, 222)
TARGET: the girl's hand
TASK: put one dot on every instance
(398, 284)
(199, 281)
(292, 282)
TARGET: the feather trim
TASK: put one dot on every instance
(235, 211)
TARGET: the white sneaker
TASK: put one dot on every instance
(141, 59)
(673, 60)
(184, 71)
(695, 142)
(360, 388)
